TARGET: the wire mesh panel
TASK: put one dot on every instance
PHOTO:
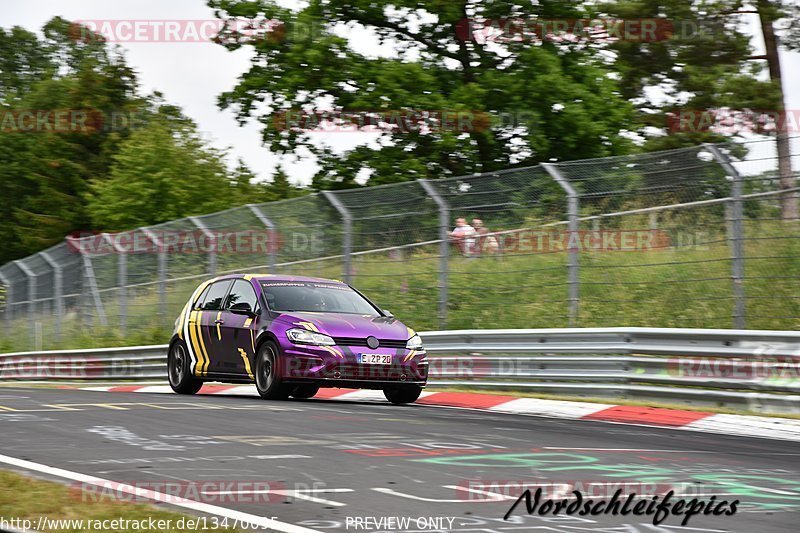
(621, 183)
(240, 239)
(498, 274)
(634, 264)
(390, 215)
(771, 234)
(307, 228)
(19, 295)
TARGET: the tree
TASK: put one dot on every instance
(526, 101)
(163, 171)
(768, 14)
(46, 173)
(705, 66)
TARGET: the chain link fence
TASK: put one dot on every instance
(692, 237)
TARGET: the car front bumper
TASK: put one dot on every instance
(339, 367)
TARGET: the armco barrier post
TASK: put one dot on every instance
(735, 235)
(212, 249)
(574, 252)
(444, 247)
(58, 292)
(31, 298)
(347, 238)
(272, 242)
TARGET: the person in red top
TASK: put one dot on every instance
(486, 242)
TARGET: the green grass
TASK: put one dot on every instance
(23, 497)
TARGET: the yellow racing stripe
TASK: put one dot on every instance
(198, 369)
(246, 362)
(202, 344)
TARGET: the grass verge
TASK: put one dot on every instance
(23, 497)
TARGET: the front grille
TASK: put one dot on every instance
(358, 341)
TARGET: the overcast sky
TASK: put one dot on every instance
(193, 74)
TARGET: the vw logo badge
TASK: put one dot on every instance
(372, 342)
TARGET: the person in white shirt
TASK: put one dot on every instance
(464, 236)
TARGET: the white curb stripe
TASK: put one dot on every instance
(550, 408)
(748, 426)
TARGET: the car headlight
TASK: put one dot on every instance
(303, 336)
(414, 343)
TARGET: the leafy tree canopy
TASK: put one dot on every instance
(547, 100)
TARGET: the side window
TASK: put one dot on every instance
(198, 304)
(214, 295)
(241, 295)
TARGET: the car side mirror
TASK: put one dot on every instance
(242, 308)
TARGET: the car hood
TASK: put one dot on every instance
(349, 325)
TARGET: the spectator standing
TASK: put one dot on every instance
(464, 236)
(485, 241)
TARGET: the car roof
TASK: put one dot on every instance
(281, 277)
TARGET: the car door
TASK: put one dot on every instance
(208, 318)
(239, 325)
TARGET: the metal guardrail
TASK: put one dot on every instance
(754, 370)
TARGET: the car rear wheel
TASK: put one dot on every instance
(303, 392)
(403, 395)
(268, 378)
(178, 370)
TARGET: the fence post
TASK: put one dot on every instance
(735, 235)
(8, 298)
(271, 244)
(162, 271)
(574, 251)
(212, 250)
(31, 298)
(58, 292)
(122, 280)
(91, 282)
(347, 223)
(444, 247)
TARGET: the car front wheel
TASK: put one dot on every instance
(268, 379)
(178, 370)
(403, 395)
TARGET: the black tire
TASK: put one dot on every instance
(408, 394)
(268, 379)
(178, 370)
(305, 391)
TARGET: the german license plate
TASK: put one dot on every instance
(374, 359)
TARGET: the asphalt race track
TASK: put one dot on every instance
(323, 464)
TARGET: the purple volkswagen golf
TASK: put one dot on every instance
(291, 335)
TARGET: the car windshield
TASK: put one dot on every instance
(286, 296)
